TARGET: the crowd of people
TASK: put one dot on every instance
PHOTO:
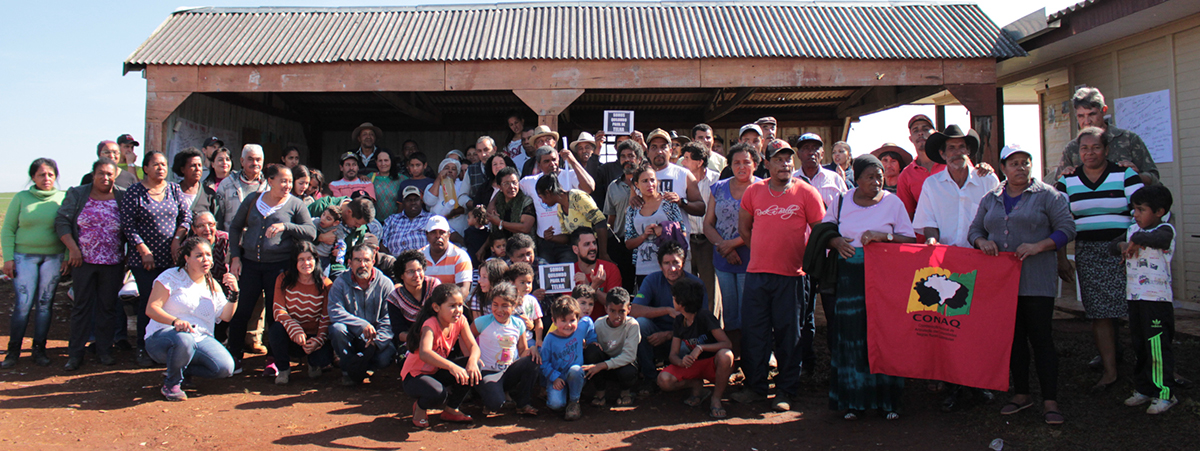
(691, 263)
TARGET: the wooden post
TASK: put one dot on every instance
(981, 101)
(548, 103)
(160, 105)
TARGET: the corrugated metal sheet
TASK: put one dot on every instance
(576, 31)
(1070, 9)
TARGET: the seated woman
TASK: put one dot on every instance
(865, 214)
(301, 315)
(183, 308)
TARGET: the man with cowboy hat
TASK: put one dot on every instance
(367, 135)
(913, 176)
(949, 200)
(542, 136)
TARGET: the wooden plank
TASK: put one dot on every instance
(171, 78)
(405, 107)
(716, 111)
(548, 102)
(331, 77)
(970, 71)
(543, 74)
(805, 72)
(159, 106)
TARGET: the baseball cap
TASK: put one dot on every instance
(347, 156)
(809, 137)
(1011, 149)
(437, 222)
(919, 117)
(766, 120)
(410, 190)
(681, 139)
(658, 133)
(778, 145)
(214, 140)
(126, 139)
(749, 127)
(358, 194)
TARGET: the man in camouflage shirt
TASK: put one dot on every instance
(1125, 148)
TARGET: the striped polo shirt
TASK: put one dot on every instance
(453, 268)
(1102, 210)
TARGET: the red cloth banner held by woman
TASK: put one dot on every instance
(941, 312)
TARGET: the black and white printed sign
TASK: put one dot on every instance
(618, 122)
(557, 278)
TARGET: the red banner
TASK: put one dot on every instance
(941, 312)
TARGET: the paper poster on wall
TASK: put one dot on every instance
(1149, 115)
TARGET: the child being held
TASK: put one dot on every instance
(1148, 250)
(699, 350)
(330, 220)
(476, 234)
(562, 357)
(618, 336)
(507, 364)
(529, 310)
(498, 245)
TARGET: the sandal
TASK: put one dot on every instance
(422, 423)
(718, 413)
(1013, 407)
(698, 398)
(527, 410)
(599, 401)
(850, 416)
(456, 417)
(625, 400)
(1054, 417)
(891, 416)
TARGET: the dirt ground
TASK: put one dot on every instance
(119, 407)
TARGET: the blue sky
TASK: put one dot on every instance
(62, 88)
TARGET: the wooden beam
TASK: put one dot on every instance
(571, 74)
(548, 103)
(159, 106)
(805, 72)
(882, 98)
(717, 111)
(854, 98)
(325, 77)
(251, 104)
(411, 110)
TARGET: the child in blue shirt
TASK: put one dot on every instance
(562, 357)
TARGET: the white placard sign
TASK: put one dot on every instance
(1149, 115)
(618, 122)
(557, 278)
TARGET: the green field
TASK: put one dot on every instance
(5, 198)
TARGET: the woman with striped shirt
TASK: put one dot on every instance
(1099, 192)
(301, 318)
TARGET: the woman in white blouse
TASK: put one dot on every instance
(183, 308)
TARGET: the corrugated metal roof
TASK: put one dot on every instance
(1070, 9)
(574, 31)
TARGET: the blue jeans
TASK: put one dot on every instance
(189, 354)
(771, 310)
(556, 399)
(731, 297)
(354, 354)
(646, 352)
(35, 277)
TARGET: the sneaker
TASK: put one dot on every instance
(73, 363)
(237, 369)
(748, 396)
(282, 377)
(271, 370)
(173, 393)
(1137, 399)
(143, 359)
(781, 403)
(1159, 405)
(106, 358)
(314, 371)
(573, 412)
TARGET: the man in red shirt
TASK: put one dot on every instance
(913, 177)
(775, 218)
(602, 275)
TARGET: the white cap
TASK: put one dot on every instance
(437, 223)
(1011, 149)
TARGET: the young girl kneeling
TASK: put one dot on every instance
(427, 374)
(507, 364)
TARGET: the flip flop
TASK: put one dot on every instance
(527, 411)
(625, 400)
(1013, 407)
(698, 398)
(1054, 417)
(718, 413)
(423, 424)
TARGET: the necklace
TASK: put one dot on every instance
(772, 191)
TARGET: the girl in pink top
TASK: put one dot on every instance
(427, 374)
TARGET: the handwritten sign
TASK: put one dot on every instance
(1149, 115)
(618, 122)
(557, 278)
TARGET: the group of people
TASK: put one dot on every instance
(702, 262)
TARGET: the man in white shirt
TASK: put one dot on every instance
(547, 216)
(827, 182)
(950, 198)
(675, 182)
(947, 206)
